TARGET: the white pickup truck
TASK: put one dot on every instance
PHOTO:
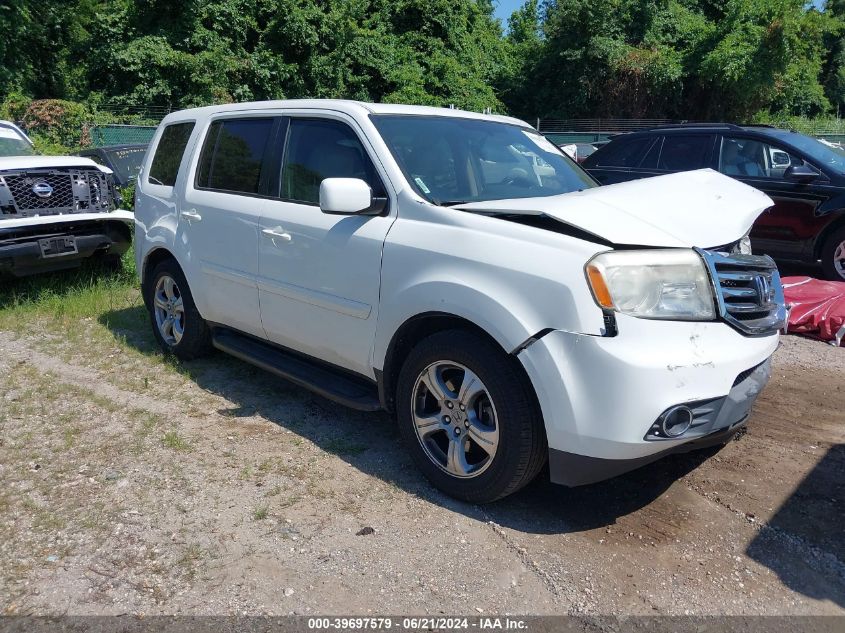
(55, 211)
(507, 310)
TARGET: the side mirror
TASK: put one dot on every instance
(801, 173)
(346, 196)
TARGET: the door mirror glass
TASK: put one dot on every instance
(345, 196)
(801, 172)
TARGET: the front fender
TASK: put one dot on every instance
(453, 299)
(510, 287)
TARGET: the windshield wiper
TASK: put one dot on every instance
(155, 180)
(452, 203)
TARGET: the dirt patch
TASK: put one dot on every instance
(132, 485)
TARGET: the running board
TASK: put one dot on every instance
(334, 384)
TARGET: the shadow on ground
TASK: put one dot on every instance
(815, 514)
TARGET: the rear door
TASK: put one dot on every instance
(218, 219)
(620, 160)
(319, 274)
(681, 152)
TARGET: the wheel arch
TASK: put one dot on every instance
(827, 231)
(152, 259)
(414, 330)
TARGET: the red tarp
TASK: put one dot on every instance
(818, 307)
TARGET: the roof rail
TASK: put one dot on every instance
(675, 126)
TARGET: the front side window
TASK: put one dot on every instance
(168, 156)
(322, 148)
(751, 158)
(821, 153)
(232, 155)
(684, 153)
(451, 160)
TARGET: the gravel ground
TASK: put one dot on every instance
(132, 486)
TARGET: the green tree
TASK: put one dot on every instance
(691, 59)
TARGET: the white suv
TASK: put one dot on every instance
(423, 261)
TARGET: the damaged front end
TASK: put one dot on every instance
(28, 193)
(56, 212)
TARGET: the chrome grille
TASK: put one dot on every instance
(62, 191)
(749, 293)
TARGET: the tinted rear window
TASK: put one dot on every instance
(168, 156)
(622, 153)
(682, 153)
(233, 153)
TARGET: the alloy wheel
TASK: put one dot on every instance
(839, 259)
(455, 419)
(169, 310)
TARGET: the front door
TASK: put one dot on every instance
(319, 274)
(789, 228)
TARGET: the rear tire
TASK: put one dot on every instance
(176, 322)
(469, 417)
(833, 255)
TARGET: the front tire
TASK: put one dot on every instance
(833, 256)
(177, 324)
(469, 417)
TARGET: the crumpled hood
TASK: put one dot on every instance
(695, 208)
(49, 162)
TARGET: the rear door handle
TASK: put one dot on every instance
(191, 215)
(277, 234)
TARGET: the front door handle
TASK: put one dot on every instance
(191, 215)
(277, 234)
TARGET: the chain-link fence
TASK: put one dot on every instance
(121, 134)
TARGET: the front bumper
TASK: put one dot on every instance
(21, 253)
(601, 395)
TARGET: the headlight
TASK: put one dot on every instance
(653, 284)
(744, 245)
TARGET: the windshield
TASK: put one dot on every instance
(13, 144)
(450, 160)
(818, 152)
(126, 162)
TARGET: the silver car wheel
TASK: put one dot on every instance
(169, 310)
(839, 259)
(455, 419)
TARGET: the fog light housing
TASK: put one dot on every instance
(672, 423)
(676, 421)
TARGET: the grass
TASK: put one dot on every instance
(190, 559)
(172, 439)
(260, 513)
(64, 297)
